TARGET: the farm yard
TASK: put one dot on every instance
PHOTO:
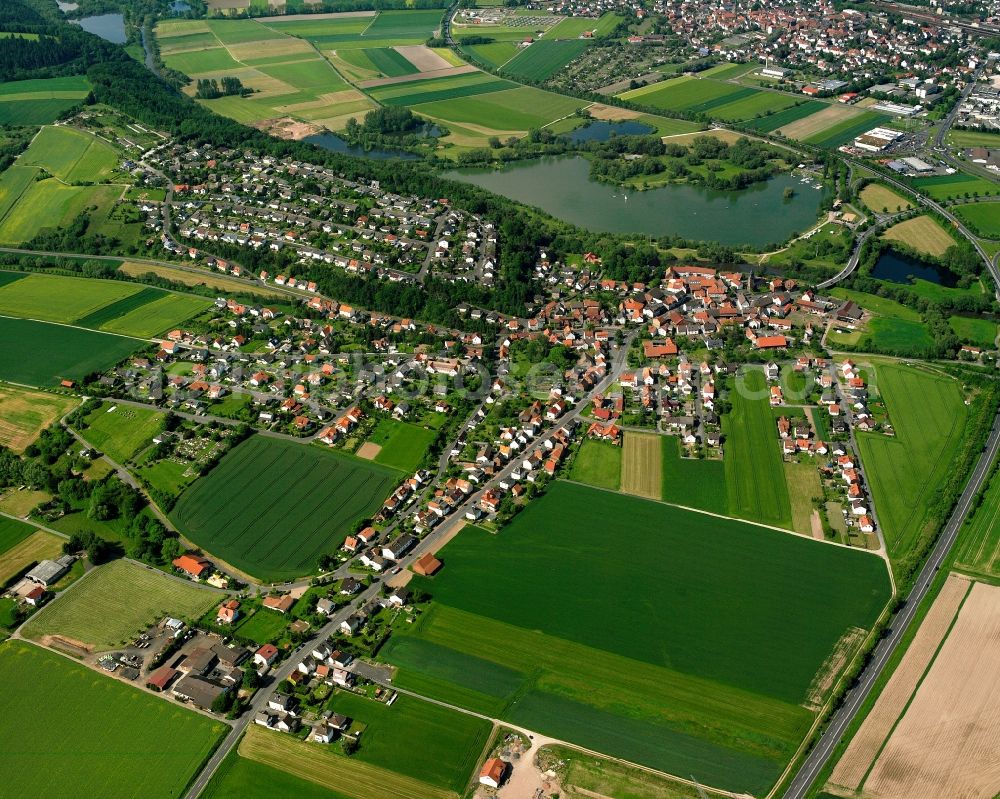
(25, 413)
(755, 478)
(42, 354)
(257, 511)
(928, 413)
(115, 602)
(641, 461)
(152, 749)
(932, 730)
(683, 694)
(40, 101)
(349, 777)
(923, 234)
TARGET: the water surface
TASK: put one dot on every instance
(898, 268)
(333, 142)
(756, 216)
(110, 27)
(602, 130)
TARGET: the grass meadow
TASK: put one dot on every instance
(70, 155)
(779, 119)
(978, 332)
(25, 413)
(978, 548)
(404, 445)
(116, 601)
(928, 415)
(121, 431)
(881, 198)
(894, 326)
(711, 685)
(923, 234)
(96, 734)
(982, 218)
(598, 463)
(960, 184)
(12, 533)
(41, 101)
(755, 478)
(451, 742)
(272, 507)
(42, 354)
(54, 298)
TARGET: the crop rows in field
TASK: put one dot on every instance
(928, 414)
(579, 652)
(755, 477)
(781, 118)
(844, 131)
(543, 59)
(40, 102)
(960, 184)
(642, 459)
(97, 736)
(271, 507)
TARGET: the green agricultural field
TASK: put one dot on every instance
(41, 354)
(451, 742)
(928, 414)
(755, 478)
(50, 204)
(121, 431)
(118, 600)
(107, 314)
(446, 88)
(779, 119)
(390, 62)
(981, 218)
(575, 27)
(55, 298)
(314, 75)
(846, 130)
(599, 464)
(13, 532)
(403, 445)
(544, 58)
(978, 332)
(691, 482)
(694, 95)
(921, 233)
(318, 28)
(727, 71)
(756, 105)
(14, 183)
(200, 62)
(712, 682)
(416, 24)
(978, 547)
(240, 778)
(70, 155)
(522, 108)
(159, 316)
(272, 507)
(152, 749)
(495, 54)
(973, 138)
(895, 326)
(240, 31)
(961, 184)
(40, 102)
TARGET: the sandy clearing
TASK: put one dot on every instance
(642, 459)
(368, 451)
(422, 57)
(816, 524)
(610, 112)
(946, 744)
(864, 747)
(444, 72)
(288, 128)
(814, 123)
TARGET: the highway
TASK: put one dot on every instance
(898, 625)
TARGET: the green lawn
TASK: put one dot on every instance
(70, 155)
(272, 507)
(96, 736)
(755, 479)
(928, 414)
(981, 218)
(598, 463)
(123, 432)
(404, 445)
(41, 354)
(450, 742)
(978, 332)
(674, 658)
(263, 626)
(116, 601)
(691, 482)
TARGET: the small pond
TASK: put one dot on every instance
(602, 130)
(333, 142)
(110, 27)
(898, 268)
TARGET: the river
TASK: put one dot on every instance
(757, 216)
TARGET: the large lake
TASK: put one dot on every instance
(562, 186)
(110, 27)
